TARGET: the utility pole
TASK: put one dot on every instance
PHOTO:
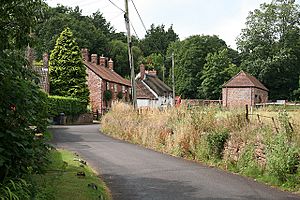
(173, 78)
(133, 85)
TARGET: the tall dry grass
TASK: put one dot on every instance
(197, 133)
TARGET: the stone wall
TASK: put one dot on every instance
(86, 118)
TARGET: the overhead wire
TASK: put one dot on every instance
(139, 15)
(134, 30)
(116, 6)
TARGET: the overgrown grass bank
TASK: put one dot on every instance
(61, 181)
(265, 149)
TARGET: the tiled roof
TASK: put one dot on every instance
(142, 92)
(107, 74)
(243, 79)
(153, 82)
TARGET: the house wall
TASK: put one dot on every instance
(114, 92)
(239, 97)
(260, 96)
(155, 103)
(236, 97)
(143, 103)
(95, 87)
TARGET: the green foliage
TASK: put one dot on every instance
(17, 17)
(216, 142)
(285, 124)
(217, 70)
(66, 105)
(269, 46)
(17, 189)
(92, 32)
(157, 40)
(156, 61)
(282, 157)
(120, 95)
(119, 52)
(23, 105)
(66, 70)
(247, 163)
(107, 96)
(190, 58)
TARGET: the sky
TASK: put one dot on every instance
(224, 18)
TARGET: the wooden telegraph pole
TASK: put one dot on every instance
(133, 84)
(173, 78)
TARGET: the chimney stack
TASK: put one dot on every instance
(142, 71)
(85, 54)
(152, 72)
(102, 61)
(111, 64)
(94, 58)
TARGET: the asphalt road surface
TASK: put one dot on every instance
(135, 173)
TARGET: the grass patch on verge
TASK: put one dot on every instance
(61, 181)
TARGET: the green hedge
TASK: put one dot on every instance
(66, 105)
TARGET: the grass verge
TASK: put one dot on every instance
(62, 182)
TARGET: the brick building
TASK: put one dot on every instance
(102, 77)
(243, 89)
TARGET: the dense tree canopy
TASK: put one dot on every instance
(217, 70)
(157, 40)
(118, 50)
(66, 70)
(92, 32)
(270, 47)
(190, 58)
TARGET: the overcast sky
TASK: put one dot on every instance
(224, 18)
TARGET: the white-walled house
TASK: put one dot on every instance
(151, 91)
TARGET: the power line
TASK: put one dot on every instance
(116, 6)
(134, 30)
(139, 15)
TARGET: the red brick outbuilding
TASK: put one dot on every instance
(243, 89)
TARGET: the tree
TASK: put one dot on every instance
(22, 104)
(270, 47)
(118, 50)
(190, 59)
(158, 39)
(156, 61)
(217, 70)
(66, 70)
(92, 32)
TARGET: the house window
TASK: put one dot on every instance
(107, 86)
(123, 88)
(115, 87)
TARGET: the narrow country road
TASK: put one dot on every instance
(134, 173)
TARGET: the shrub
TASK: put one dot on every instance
(216, 142)
(282, 157)
(247, 164)
(120, 95)
(66, 105)
(22, 106)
